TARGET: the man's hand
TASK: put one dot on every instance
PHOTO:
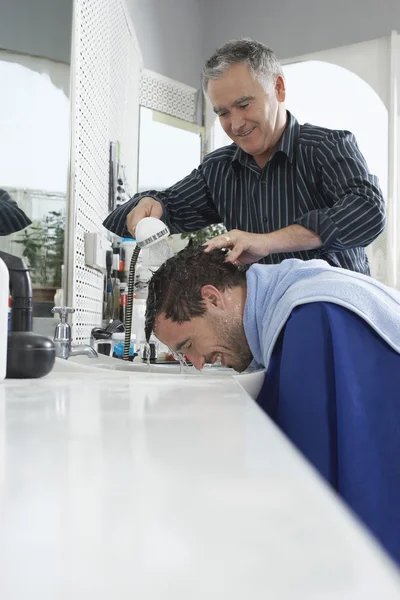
(245, 248)
(146, 207)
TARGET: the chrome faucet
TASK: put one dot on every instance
(62, 337)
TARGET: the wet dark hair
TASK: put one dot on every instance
(175, 289)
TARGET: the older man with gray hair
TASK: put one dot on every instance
(282, 190)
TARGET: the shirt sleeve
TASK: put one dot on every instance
(187, 206)
(356, 212)
(12, 218)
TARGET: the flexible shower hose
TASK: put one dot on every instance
(129, 304)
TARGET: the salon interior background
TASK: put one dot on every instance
(292, 28)
(176, 36)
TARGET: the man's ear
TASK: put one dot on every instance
(280, 88)
(212, 297)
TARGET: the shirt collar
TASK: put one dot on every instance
(285, 144)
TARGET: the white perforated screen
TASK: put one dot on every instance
(168, 96)
(105, 70)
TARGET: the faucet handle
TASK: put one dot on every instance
(63, 311)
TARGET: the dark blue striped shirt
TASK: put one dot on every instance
(12, 218)
(316, 177)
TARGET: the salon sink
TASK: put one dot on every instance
(77, 363)
(251, 382)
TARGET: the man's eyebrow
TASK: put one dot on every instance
(242, 99)
(179, 346)
(218, 109)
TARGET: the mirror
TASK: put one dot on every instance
(169, 149)
(34, 141)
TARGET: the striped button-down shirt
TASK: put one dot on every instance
(12, 218)
(316, 177)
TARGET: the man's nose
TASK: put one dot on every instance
(197, 360)
(238, 122)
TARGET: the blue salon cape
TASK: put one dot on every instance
(333, 387)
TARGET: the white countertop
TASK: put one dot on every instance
(153, 487)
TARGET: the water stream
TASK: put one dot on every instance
(160, 252)
(147, 353)
(183, 366)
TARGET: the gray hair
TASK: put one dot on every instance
(262, 61)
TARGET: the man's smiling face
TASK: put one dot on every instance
(216, 336)
(250, 114)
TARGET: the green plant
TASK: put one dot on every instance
(200, 237)
(43, 244)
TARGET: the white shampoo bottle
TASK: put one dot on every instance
(4, 293)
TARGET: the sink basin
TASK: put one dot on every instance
(115, 364)
(250, 382)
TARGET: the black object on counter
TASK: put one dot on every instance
(21, 292)
(28, 354)
(100, 333)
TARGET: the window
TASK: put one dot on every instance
(34, 146)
